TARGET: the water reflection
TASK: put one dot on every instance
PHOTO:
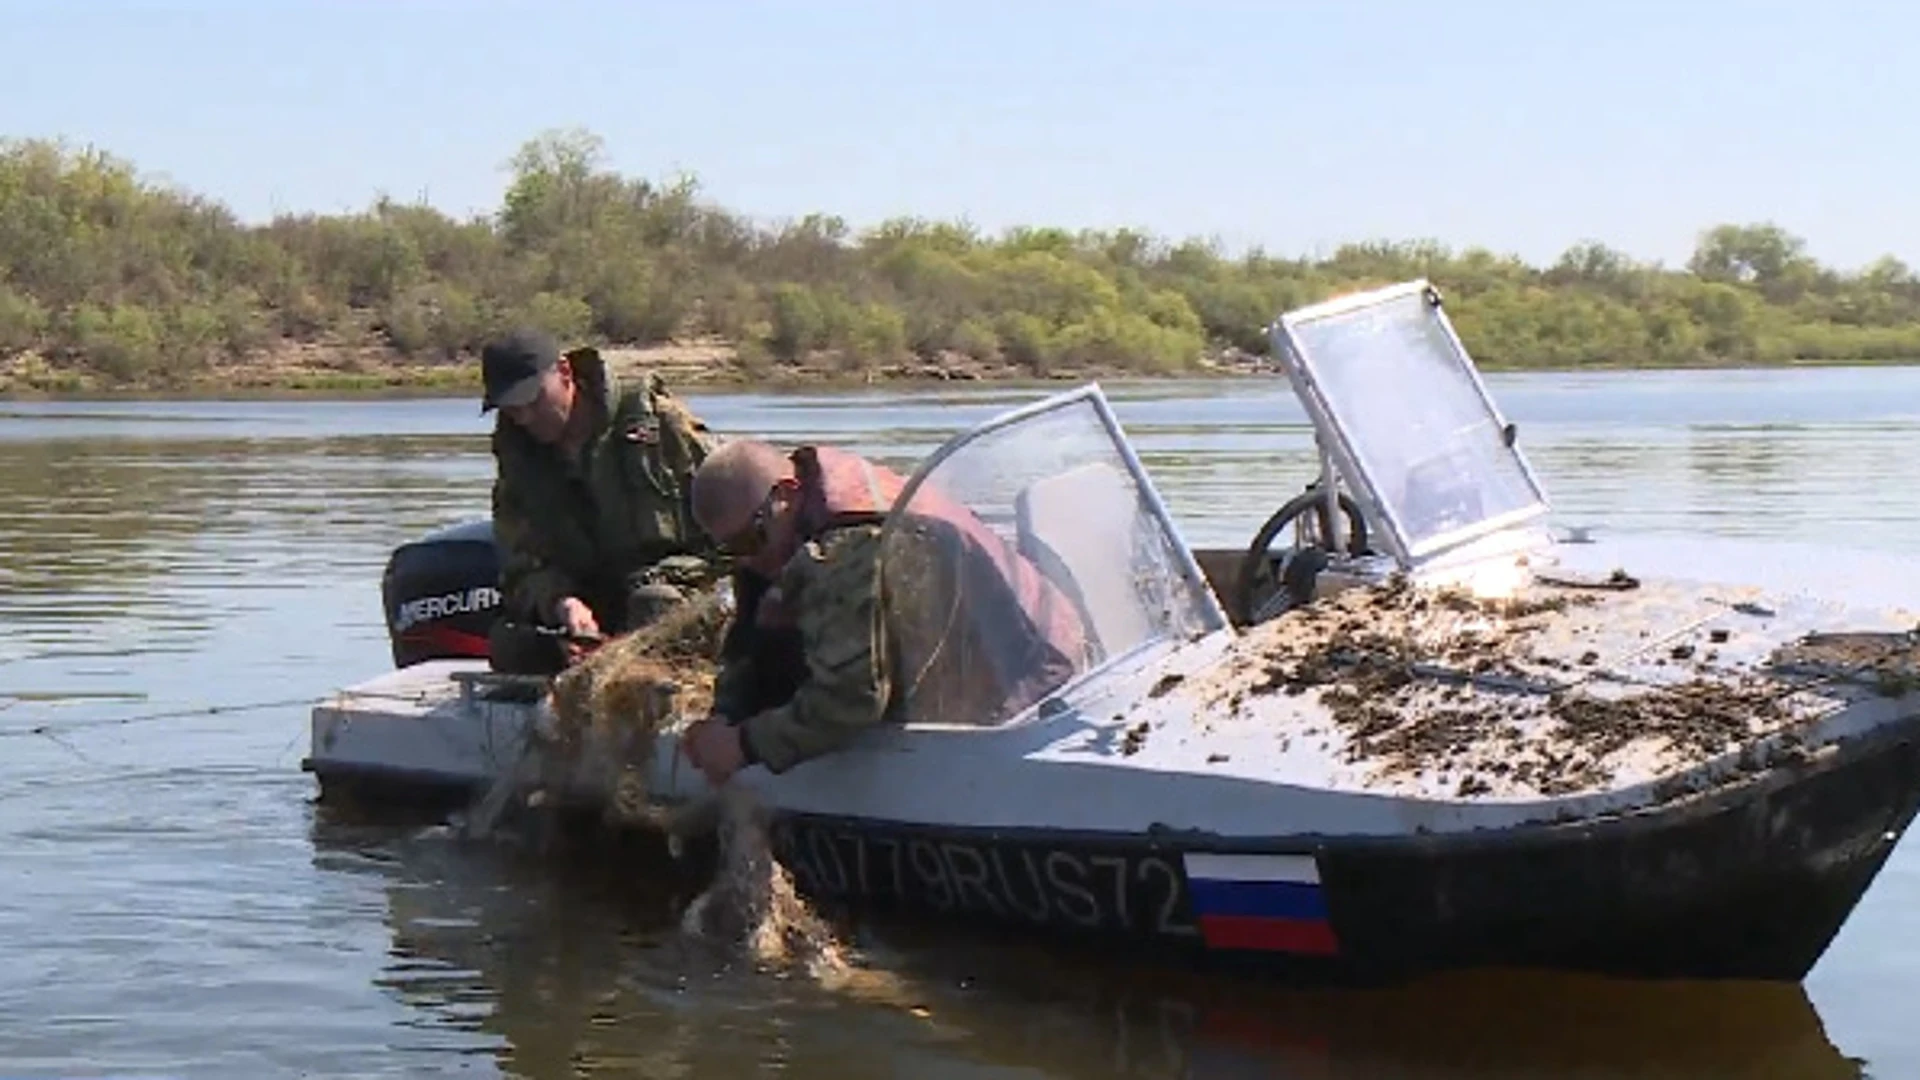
(1157, 1023)
(580, 972)
(115, 553)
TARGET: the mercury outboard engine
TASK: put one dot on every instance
(441, 594)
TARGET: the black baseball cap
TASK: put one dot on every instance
(511, 366)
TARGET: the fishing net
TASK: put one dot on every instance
(610, 707)
(751, 902)
(609, 711)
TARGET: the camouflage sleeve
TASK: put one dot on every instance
(833, 588)
(530, 584)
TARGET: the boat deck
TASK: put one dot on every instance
(421, 722)
(1557, 692)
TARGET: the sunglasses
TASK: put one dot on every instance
(750, 540)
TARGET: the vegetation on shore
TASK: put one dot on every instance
(110, 281)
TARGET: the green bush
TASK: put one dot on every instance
(139, 282)
(123, 341)
(799, 323)
(22, 322)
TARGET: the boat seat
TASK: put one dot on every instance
(1078, 528)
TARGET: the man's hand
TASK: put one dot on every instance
(713, 745)
(580, 625)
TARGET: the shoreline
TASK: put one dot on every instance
(687, 375)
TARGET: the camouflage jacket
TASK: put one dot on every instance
(830, 593)
(955, 647)
(586, 528)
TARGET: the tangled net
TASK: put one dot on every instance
(752, 902)
(609, 710)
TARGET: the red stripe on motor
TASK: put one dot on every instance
(446, 637)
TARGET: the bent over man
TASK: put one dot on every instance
(590, 507)
(952, 625)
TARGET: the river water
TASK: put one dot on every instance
(174, 905)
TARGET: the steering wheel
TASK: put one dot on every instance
(1257, 581)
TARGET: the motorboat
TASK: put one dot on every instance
(1412, 726)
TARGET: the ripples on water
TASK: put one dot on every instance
(175, 906)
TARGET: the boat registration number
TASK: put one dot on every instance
(1139, 892)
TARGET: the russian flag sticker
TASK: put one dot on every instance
(1271, 903)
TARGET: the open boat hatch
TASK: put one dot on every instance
(1420, 473)
(1400, 408)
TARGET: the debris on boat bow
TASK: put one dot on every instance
(1890, 662)
(1544, 692)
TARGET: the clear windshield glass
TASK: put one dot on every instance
(1028, 554)
(1406, 405)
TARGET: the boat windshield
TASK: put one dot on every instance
(1024, 553)
(1395, 396)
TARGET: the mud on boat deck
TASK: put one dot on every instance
(1552, 692)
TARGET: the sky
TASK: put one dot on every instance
(1522, 127)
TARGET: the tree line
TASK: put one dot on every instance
(104, 272)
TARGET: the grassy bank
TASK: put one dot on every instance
(397, 377)
(109, 283)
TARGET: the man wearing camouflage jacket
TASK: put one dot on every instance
(953, 625)
(590, 507)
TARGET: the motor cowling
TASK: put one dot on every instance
(441, 594)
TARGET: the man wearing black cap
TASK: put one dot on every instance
(590, 504)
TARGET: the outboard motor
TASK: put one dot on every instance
(441, 594)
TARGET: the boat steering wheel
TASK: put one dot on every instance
(1257, 581)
